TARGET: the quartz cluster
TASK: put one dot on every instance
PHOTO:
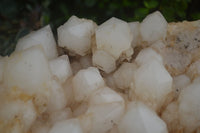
(117, 77)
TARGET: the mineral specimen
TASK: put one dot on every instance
(118, 77)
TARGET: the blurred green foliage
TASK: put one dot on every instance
(19, 17)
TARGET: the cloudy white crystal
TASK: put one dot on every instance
(60, 68)
(152, 83)
(67, 126)
(106, 108)
(153, 27)
(43, 37)
(85, 82)
(75, 35)
(146, 55)
(125, 71)
(134, 26)
(140, 119)
(27, 70)
(58, 99)
(24, 111)
(104, 61)
(189, 107)
(114, 36)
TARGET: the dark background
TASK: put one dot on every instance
(19, 17)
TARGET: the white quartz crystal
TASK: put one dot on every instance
(141, 119)
(85, 82)
(146, 55)
(69, 91)
(58, 99)
(60, 68)
(75, 35)
(152, 83)
(24, 112)
(67, 126)
(104, 61)
(105, 95)
(134, 26)
(153, 27)
(114, 36)
(106, 108)
(125, 71)
(43, 37)
(27, 70)
(189, 107)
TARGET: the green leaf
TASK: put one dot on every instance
(127, 3)
(181, 14)
(168, 13)
(195, 15)
(45, 19)
(140, 13)
(151, 4)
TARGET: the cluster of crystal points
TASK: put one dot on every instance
(116, 77)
